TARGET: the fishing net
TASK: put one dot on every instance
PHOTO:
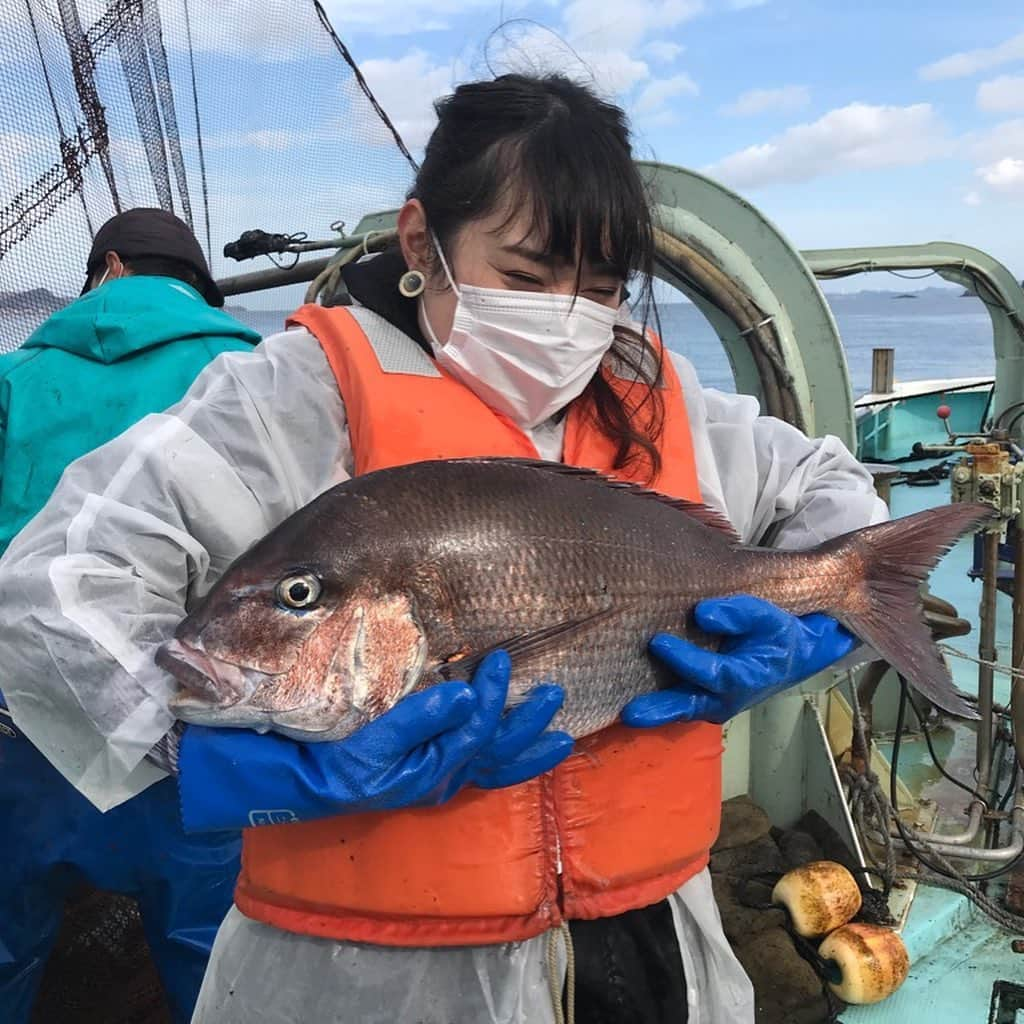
(100, 971)
(234, 115)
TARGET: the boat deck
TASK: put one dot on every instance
(963, 967)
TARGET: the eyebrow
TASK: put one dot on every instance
(534, 255)
(549, 260)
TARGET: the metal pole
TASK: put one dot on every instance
(261, 280)
(1017, 683)
(987, 654)
(1002, 855)
(304, 270)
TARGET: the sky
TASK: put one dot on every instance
(846, 123)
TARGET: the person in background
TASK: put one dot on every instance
(439, 864)
(147, 322)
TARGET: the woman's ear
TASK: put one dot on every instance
(414, 236)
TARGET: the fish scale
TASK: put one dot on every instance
(421, 570)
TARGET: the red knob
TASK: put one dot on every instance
(943, 412)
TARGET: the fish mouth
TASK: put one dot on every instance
(206, 679)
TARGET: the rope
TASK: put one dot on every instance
(871, 808)
(1007, 919)
(199, 133)
(325, 283)
(756, 327)
(568, 1014)
(361, 82)
(994, 665)
(868, 804)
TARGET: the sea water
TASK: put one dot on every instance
(939, 333)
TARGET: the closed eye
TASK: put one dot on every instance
(526, 279)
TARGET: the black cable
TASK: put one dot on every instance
(913, 277)
(908, 840)
(930, 477)
(1012, 788)
(937, 763)
(280, 264)
(1016, 419)
(998, 421)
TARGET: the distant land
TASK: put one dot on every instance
(36, 300)
(42, 301)
(950, 291)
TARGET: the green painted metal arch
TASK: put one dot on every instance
(746, 246)
(963, 265)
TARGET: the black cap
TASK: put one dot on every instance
(152, 232)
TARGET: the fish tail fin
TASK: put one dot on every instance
(886, 610)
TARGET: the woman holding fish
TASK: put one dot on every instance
(414, 857)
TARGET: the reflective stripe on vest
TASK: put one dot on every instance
(621, 824)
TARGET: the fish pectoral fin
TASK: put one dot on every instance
(525, 645)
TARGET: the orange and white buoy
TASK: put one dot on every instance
(819, 896)
(872, 962)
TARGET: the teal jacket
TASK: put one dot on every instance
(128, 348)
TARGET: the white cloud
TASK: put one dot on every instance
(1004, 139)
(611, 24)
(972, 199)
(743, 5)
(531, 48)
(21, 145)
(606, 34)
(268, 140)
(655, 95)
(292, 31)
(664, 51)
(1003, 95)
(999, 153)
(855, 137)
(398, 17)
(970, 62)
(1005, 177)
(406, 88)
(758, 101)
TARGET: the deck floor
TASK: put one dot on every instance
(957, 955)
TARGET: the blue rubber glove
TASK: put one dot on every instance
(520, 749)
(420, 753)
(766, 650)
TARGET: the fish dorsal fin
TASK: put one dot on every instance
(704, 514)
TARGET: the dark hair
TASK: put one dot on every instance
(552, 148)
(163, 266)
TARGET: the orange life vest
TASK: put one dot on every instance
(623, 822)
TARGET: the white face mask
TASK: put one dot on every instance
(106, 274)
(526, 354)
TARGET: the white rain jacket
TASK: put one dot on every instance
(138, 530)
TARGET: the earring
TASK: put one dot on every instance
(411, 284)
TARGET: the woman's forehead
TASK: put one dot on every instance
(517, 233)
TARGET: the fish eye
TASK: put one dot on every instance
(301, 591)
